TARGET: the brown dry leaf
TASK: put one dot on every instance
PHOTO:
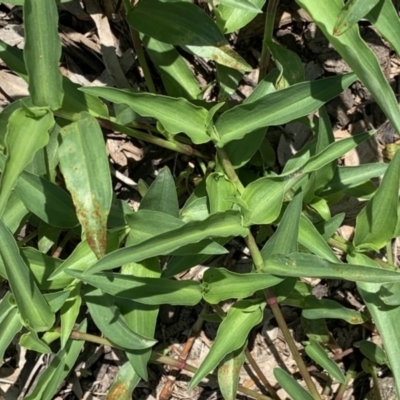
(13, 86)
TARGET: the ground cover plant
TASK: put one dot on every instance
(80, 265)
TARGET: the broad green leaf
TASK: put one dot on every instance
(31, 341)
(221, 192)
(308, 265)
(351, 13)
(161, 195)
(334, 151)
(328, 228)
(151, 291)
(317, 353)
(111, 323)
(356, 53)
(386, 20)
(245, 5)
(178, 79)
(220, 284)
(241, 318)
(187, 25)
(217, 225)
(25, 135)
(69, 313)
(85, 168)
(324, 308)
(310, 238)
(14, 213)
(290, 385)
(177, 115)
(231, 19)
(229, 373)
(10, 325)
(46, 200)
(58, 369)
(375, 224)
(284, 239)
(390, 293)
(386, 318)
(228, 81)
(42, 53)
(262, 200)
(35, 311)
(283, 106)
(56, 300)
(125, 382)
(350, 177)
(373, 352)
(316, 329)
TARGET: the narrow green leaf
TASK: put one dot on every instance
(308, 265)
(69, 313)
(125, 382)
(220, 192)
(177, 115)
(229, 373)
(42, 53)
(310, 238)
(58, 369)
(356, 53)
(111, 323)
(351, 13)
(178, 79)
(376, 225)
(187, 25)
(25, 135)
(84, 165)
(283, 106)
(15, 212)
(324, 308)
(161, 195)
(245, 5)
(241, 318)
(316, 352)
(153, 291)
(291, 386)
(372, 351)
(231, 19)
(220, 284)
(217, 225)
(34, 310)
(31, 341)
(46, 200)
(10, 325)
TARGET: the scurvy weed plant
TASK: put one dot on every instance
(115, 269)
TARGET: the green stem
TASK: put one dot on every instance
(350, 375)
(229, 170)
(268, 30)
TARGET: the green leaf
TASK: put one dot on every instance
(263, 200)
(283, 106)
(229, 373)
(245, 5)
(25, 135)
(317, 353)
(69, 313)
(58, 369)
(241, 318)
(34, 310)
(356, 53)
(373, 352)
(375, 224)
(42, 53)
(220, 284)
(10, 324)
(324, 308)
(111, 323)
(187, 25)
(84, 165)
(308, 265)
(153, 291)
(228, 81)
(221, 192)
(351, 13)
(217, 225)
(177, 115)
(46, 200)
(31, 341)
(290, 385)
(161, 195)
(390, 293)
(177, 77)
(124, 384)
(231, 19)
(310, 238)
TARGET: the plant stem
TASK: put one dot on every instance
(229, 170)
(268, 30)
(159, 358)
